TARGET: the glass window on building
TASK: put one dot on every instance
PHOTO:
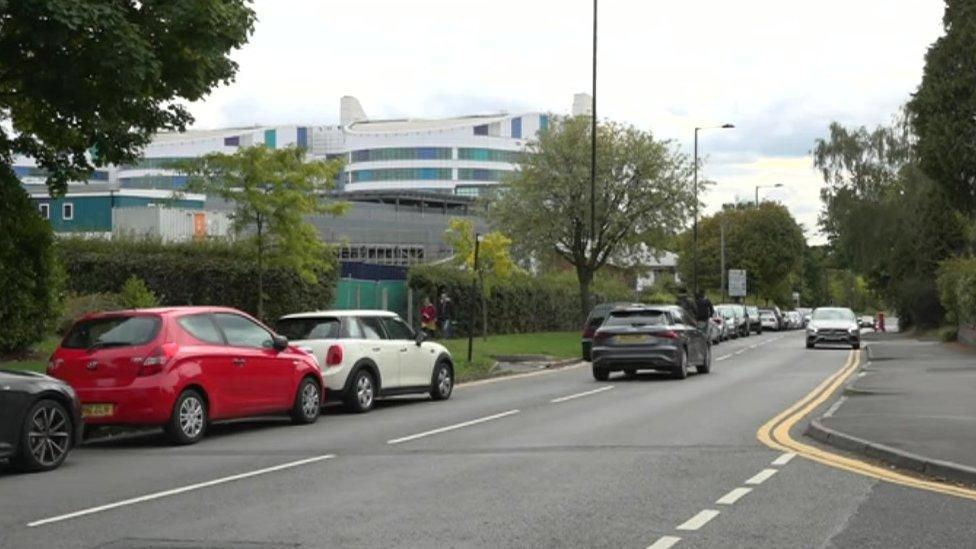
(45, 210)
(67, 211)
(543, 122)
(477, 174)
(401, 174)
(401, 153)
(481, 130)
(488, 155)
(517, 128)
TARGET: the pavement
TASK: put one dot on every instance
(913, 405)
(547, 459)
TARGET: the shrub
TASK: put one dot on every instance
(31, 280)
(213, 273)
(76, 306)
(522, 303)
(948, 334)
(135, 294)
(956, 281)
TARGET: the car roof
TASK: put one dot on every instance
(164, 311)
(643, 307)
(833, 309)
(343, 313)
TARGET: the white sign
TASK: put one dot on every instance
(737, 283)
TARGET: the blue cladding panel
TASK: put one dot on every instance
(303, 138)
(234, 141)
(271, 138)
(543, 122)
(517, 128)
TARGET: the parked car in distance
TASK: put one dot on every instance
(368, 354)
(183, 367)
(717, 328)
(804, 315)
(741, 318)
(40, 420)
(730, 322)
(794, 319)
(650, 337)
(867, 321)
(597, 315)
(833, 325)
(768, 319)
(755, 324)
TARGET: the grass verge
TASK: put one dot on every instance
(560, 345)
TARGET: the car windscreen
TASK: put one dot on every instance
(637, 318)
(309, 328)
(832, 314)
(112, 331)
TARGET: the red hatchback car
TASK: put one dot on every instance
(182, 367)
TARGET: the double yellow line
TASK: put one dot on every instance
(775, 433)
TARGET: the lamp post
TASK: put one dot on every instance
(593, 139)
(776, 186)
(694, 254)
(474, 284)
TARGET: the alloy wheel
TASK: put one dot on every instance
(191, 417)
(364, 391)
(444, 381)
(310, 400)
(49, 435)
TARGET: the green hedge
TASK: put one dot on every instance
(521, 304)
(957, 290)
(192, 274)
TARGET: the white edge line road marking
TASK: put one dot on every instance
(733, 496)
(723, 357)
(583, 394)
(498, 379)
(451, 427)
(739, 352)
(181, 490)
(833, 408)
(784, 459)
(761, 476)
(664, 542)
(699, 520)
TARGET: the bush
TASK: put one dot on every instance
(520, 304)
(31, 280)
(135, 294)
(76, 306)
(956, 281)
(948, 334)
(214, 273)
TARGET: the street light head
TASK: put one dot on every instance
(778, 185)
(728, 126)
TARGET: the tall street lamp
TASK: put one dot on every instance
(694, 259)
(776, 186)
(593, 139)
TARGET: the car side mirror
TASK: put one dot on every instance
(421, 337)
(279, 343)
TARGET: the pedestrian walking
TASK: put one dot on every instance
(428, 317)
(445, 315)
(704, 310)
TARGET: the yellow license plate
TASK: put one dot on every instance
(632, 339)
(97, 410)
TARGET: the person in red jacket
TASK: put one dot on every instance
(428, 316)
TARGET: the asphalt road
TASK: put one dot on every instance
(640, 464)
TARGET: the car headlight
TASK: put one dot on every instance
(812, 329)
(853, 329)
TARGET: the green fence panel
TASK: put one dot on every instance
(353, 293)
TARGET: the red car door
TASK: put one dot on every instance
(206, 348)
(263, 376)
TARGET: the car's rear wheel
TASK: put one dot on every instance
(681, 371)
(600, 374)
(308, 402)
(810, 345)
(46, 437)
(188, 422)
(706, 365)
(442, 383)
(361, 394)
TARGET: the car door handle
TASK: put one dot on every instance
(376, 349)
(403, 350)
(239, 362)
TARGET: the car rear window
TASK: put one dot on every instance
(637, 318)
(309, 328)
(112, 331)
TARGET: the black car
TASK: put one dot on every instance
(40, 420)
(650, 337)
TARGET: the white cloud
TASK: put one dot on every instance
(781, 71)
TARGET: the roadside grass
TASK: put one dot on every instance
(35, 359)
(560, 345)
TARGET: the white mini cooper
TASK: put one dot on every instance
(368, 354)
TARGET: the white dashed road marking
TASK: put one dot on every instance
(784, 459)
(664, 542)
(723, 357)
(583, 394)
(699, 520)
(733, 496)
(452, 427)
(761, 476)
(181, 490)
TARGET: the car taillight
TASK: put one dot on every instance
(601, 336)
(157, 359)
(667, 334)
(589, 331)
(333, 357)
(53, 364)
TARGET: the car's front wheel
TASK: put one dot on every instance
(308, 403)
(443, 382)
(810, 345)
(46, 437)
(188, 422)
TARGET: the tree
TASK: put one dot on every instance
(31, 278)
(644, 195)
(494, 259)
(943, 109)
(104, 75)
(273, 190)
(766, 241)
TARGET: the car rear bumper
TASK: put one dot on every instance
(132, 405)
(649, 358)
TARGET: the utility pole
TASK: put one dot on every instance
(593, 144)
(694, 251)
(722, 257)
(474, 286)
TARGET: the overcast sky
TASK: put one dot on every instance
(780, 70)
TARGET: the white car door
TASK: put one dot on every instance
(416, 361)
(383, 350)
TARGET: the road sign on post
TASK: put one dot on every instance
(737, 283)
